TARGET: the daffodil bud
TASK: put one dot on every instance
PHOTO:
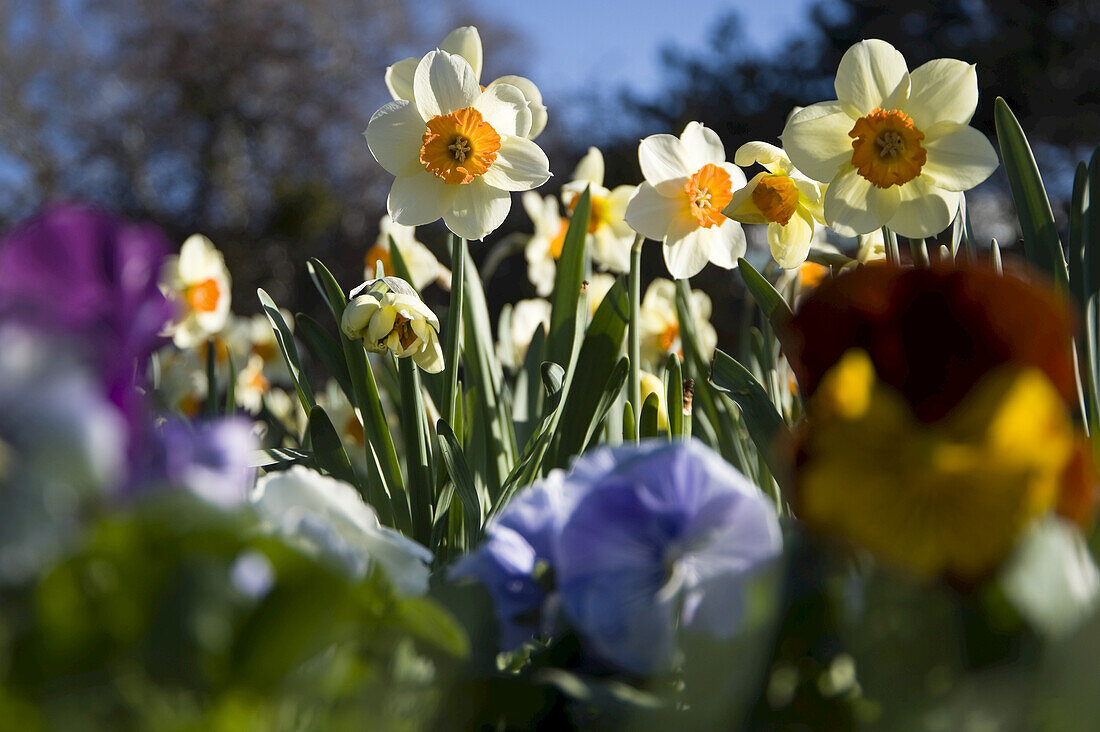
(388, 315)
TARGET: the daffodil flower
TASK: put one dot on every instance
(687, 184)
(466, 42)
(609, 236)
(456, 151)
(517, 327)
(659, 325)
(544, 247)
(781, 197)
(895, 147)
(197, 281)
(424, 268)
(388, 315)
(252, 385)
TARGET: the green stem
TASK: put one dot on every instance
(919, 251)
(893, 257)
(454, 328)
(634, 392)
(418, 457)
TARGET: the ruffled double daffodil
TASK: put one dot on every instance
(466, 42)
(388, 315)
(895, 147)
(687, 185)
(781, 197)
(456, 151)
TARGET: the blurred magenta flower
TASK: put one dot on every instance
(631, 542)
(85, 273)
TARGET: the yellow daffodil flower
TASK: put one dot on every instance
(687, 185)
(466, 42)
(197, 281)
(781, 197)
(456, 151)
(895, 147)
(388, 315)
(544, 247)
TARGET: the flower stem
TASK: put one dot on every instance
(919, 251)
(634, 392)
(454, 327)
(890, 239)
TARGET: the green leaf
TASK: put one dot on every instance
(278, 457)
(418, 456)
(290, 352)
(211, 405)
(567, 284)
(323, 347)
(599, 355)
(628, 423)
(528, 391)
(675, 395)
(763, 422)
(230, 385)
(1090, 224)
(650, 416)
(1042, 246)
(452, 333)
(767, 298)
(400, 268)
(328, 452)
(475, 502)
(428, 621)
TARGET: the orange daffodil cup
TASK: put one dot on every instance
(894, 147)
(687, 185)
(781, 197)
(456, 151)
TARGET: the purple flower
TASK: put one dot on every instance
(636, 541)
(210, 459)
(86, 274)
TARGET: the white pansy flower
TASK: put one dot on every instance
(687, 184)
(466, 42)
(517, 327)
(609, 236)
(424, 268)
(659, 326)
(544, 247)
(781, 197)
(388, 315)
(456, 151)
(197, 282)
(895, 147)
(327, 518)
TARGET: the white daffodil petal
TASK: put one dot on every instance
(590, 168)
(871, 75)
(534, 102)
(505, 109)
(767, 155)
(650, 214)
(790, 244)
(924, 210)
(737, 176)
(854, 206)
(394, 135)
(944, 90)
(477, 210)
(520, 165)
(419, 198)
(465, 42)
(196, 259)
(443, 83)
(687, 250)
(959, 160)
(727, 244)
(816, 139)
(399, 78)
(662, 159)
(430, 358)
(702, 145)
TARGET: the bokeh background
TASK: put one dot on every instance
(243, 119)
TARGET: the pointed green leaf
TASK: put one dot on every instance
(475, 502)
(567, 284)
(762, 420)
(328, 452)
(290, 352)
(323, 347)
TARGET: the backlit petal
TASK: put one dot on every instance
(465, 42)
(816, 139)
(419, 198)
(687, 249)
(771, 157)
(399, 78)
(477, 210)
(727, 243)
(650, 214)
(590, 168)
(443, 83)
(394, 135)
(944, 90)
(520, 165)
(701, 145)
(871, 75)
(662, 158)
(534, 102)
(924, 210)
(504, 107)
(790, 244)
(959, 160)
(854, 206)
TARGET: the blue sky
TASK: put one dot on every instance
(574, 43)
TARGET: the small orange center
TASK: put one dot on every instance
(886, 149)
(708, 191)
(777, 198)
(406, 336)
(355, 430)
(459, 146)
(259, 382)
(265, 350)
(668, 336)
(203, 296)
(378, 253)
(812, 274)
(597, 214)
(559, 239)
